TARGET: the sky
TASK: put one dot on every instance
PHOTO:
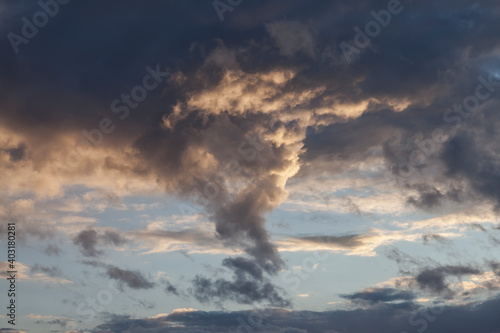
(283, 166)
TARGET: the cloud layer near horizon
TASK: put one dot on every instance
(407, 316)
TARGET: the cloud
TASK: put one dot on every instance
(243, 120)
(241, 265)
(360, 244)
(31, 220)
(477, 226)
(62, 322)
(36, 274)
(450, 281)
(247, 286)
(16, 154)
(87, 241)
(133, 279)
(376, 295)
(113, 237)
(434, 279)
(483, 177)
(433, 237)
(171, 289)
(348, 241)
(473, 317)
(427, 199)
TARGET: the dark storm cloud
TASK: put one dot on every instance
(90, 65)
(434, 279)
(374, 296)
(480, 318)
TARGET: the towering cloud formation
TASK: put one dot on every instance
(229, 147)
